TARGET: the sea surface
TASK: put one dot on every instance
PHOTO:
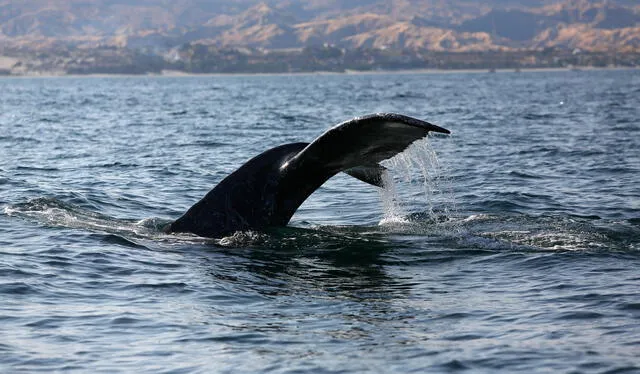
(512, 245)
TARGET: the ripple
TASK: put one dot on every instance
(15, 273)
(623, 370)
(115, 239)
(170, 286)
(454, 365)
(525, 175)
(17, 288)
(630, 306)
(580, 315)
(37, 168)
(124, 321)
(535, 244)
(204, 143)
(536, 116)
(116, 164)
(408, 95)
(46, 323)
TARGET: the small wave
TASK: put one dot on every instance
(522, 174)
(539, 149)
(48, 207)
(36, 168)
(16, 288)
(124, 321)
(540, 233)
(287, 117)
(204, 143)
(20, 139)
(634, 307)
(504, 206)
(394, 220)
(491, 244)
(536, 116)
(453, 365)
(49, 120)
(122, 241)
(420, 223)
(154, 223)
(565, 241)
(409, 95)
(243, 239)
(54, 212)
(116, 164)
(179, 287)
(580, 315)
(478, 217)
(613, 170)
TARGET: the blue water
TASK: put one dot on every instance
(517, 248)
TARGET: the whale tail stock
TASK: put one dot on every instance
(268, 189)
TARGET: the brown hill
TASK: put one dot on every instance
(456, 25)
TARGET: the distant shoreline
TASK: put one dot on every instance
(178, 74)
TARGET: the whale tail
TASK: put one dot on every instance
(268, 189)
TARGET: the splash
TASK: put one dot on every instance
(54, 212)
(393, 211)
(146, 232)
(423, 184)
(242, 239)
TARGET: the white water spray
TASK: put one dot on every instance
(423, 183)
(393, 212)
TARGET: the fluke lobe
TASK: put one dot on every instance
(269, 188)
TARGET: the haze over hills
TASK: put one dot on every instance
(204, 36)
(438, 25)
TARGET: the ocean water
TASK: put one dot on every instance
(511, 245)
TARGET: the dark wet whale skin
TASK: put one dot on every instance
(268, 189)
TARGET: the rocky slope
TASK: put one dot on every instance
(437, 25)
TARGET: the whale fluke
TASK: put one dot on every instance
(268, 189)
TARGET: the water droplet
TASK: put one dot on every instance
(418, 173)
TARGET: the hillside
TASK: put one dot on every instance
(142, 36)
(405, 24)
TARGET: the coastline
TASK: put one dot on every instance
(178, 73)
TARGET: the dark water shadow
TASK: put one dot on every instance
(293, 260)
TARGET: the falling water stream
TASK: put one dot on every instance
(516, 249)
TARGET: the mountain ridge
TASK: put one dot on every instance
(454, 26)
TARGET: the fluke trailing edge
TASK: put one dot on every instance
(269, 188)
